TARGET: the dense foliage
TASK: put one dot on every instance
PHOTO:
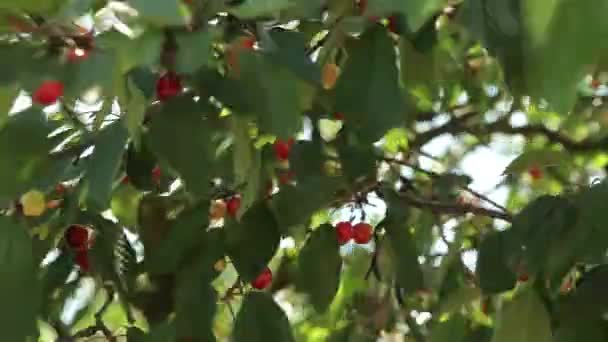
(290, 170)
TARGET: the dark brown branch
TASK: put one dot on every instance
(456, 209)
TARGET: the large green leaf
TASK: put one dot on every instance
(252, 242)
(402, 246)
(195, 305)
(187, 232)
(417, 12)
(319, 265)
(22, 163)
(261, 320)
(494, 273)
(37, 6)
(104, 164)
(523, 319)
(19, 287)
(451, 330)
(368, 90)
(259, 8)
(588, 301)
(576, 330)
(247, 162)
(162, 12)
(180, 138)
(194, 50)
(124, 204)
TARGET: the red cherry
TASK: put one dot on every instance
(344, 232)
(393, 25)
(535, 172)
(286, 177)
(523, 277)
(362, 233)
(233, 205)
(595, 83)
(77, 237)
(48, 92)
(249, 43)
(281, 149)
(263, 280)
(76, 55)
(60, 189)
(168, 86)
(339, 116)
(362, 6)
(125, 180)
(156, 174)
(82, 260)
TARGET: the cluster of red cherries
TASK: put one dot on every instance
(361, 232)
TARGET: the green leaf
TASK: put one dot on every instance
(576, 330)
(458, 298)
(588, 301)
(319, 265)
(104, 164)
(135, 112)
(494, 273)
(523, 319)
(7, 98)
(451, 330)
(194, 50)
(277, 112)
(402, 246)
(259, 8)
(124, 204)
(19, 287)
(260, 320)
(252, 243)
(23, 163)
(417, 12)
(368, 90)
(247, 162)
(294, 205)
(140, 163)
(161, 12)
(188, 232)
(538, 158)
(36, 6)
(177, 133)
(195, 306)
(142, 50)
(97, 72)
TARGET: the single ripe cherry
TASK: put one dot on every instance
(60, 189)
(339, 116)
(393, 24)
(344, 232)
(77, 237)
(523, 277)
(535, 172)
(595, 83)
(362, 233)
(248, 43)
(282, 148)
(48, 93)
(76, 55)
(168, 86)
(82, 260)
(286, 177)
(156, 174)
(233, 205)
(263, 280)
(362, 6)
(125, 180)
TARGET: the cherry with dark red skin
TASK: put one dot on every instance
(248, 43)
(362, 233)
(60, 189)
(168, 86)
(535, 172)
(263, 280)
(282, 148)
(156, 174)
(48, 92)
(344, 232)
(339, 116)
(233, 205)
(523, 277)
(393, 24)
(77, 237)
(82, 260)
